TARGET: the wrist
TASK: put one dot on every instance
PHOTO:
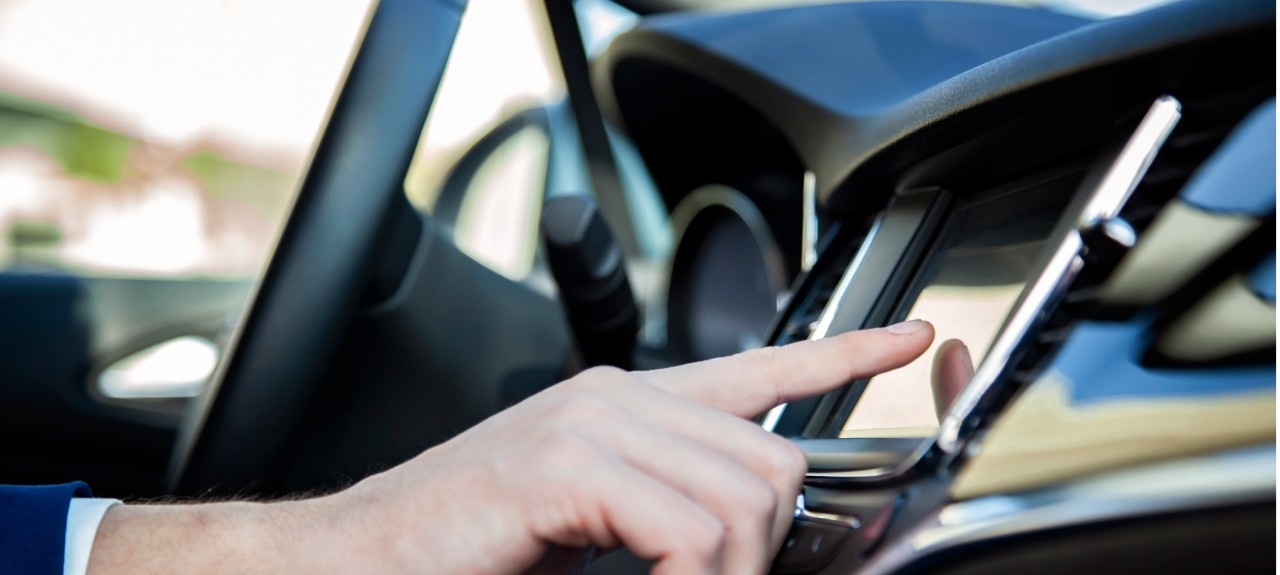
(339, 534)
(232, 537)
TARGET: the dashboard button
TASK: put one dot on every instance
(809, 547)
(874, 509)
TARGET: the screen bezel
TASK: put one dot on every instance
(903, 286)
(1105, 187)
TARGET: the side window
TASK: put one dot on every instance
(501, 137)
(481, 165)
(149, 151)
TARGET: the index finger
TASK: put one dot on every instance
(749, 383)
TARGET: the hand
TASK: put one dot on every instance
(660, 462)
(664, 463)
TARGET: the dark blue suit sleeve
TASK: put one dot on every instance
(33, 527)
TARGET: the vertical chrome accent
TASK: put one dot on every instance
(770, 421)
(823, 325)
(809, 222)
(842, 289)
(1103, 203)
(1060, 271)
(1122, 177)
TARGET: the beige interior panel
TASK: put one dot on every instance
(1230, 320)
(1042, 439)
(1180, 242)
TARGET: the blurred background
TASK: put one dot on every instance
(149, 152)
(154, 139)
(159, 139)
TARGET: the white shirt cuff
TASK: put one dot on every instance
(83, 517)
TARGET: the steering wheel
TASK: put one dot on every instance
(338, 246)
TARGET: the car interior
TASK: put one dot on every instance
(1088, 203)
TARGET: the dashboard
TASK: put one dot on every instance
(1089, 206)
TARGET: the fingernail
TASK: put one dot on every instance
(906, 328)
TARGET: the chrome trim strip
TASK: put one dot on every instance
(1131, 164)
(1062, 268)
(1226, 478)
(1120, 232)
(823, 324)
(770, 421)
(838, 478)
(803, 512)
(1104, 203)
(809, 222)
(842, 289)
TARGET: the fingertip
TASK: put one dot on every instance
(909, 337)
(887, 348)
(915, 327)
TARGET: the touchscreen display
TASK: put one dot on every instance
(990, 249)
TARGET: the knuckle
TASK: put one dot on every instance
(785, 461)
(797, 459)
(581, 410)
(768, 363)
(762, 358)
(603, 375)
(562, 449)
(705, 536)
(759, 499)
(593, 380)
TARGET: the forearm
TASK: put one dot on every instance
(663, 462)
(235, 537)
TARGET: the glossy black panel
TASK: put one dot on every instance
(838, 125)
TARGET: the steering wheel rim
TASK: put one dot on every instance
(244, 425)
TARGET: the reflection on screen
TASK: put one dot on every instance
(969, 287)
